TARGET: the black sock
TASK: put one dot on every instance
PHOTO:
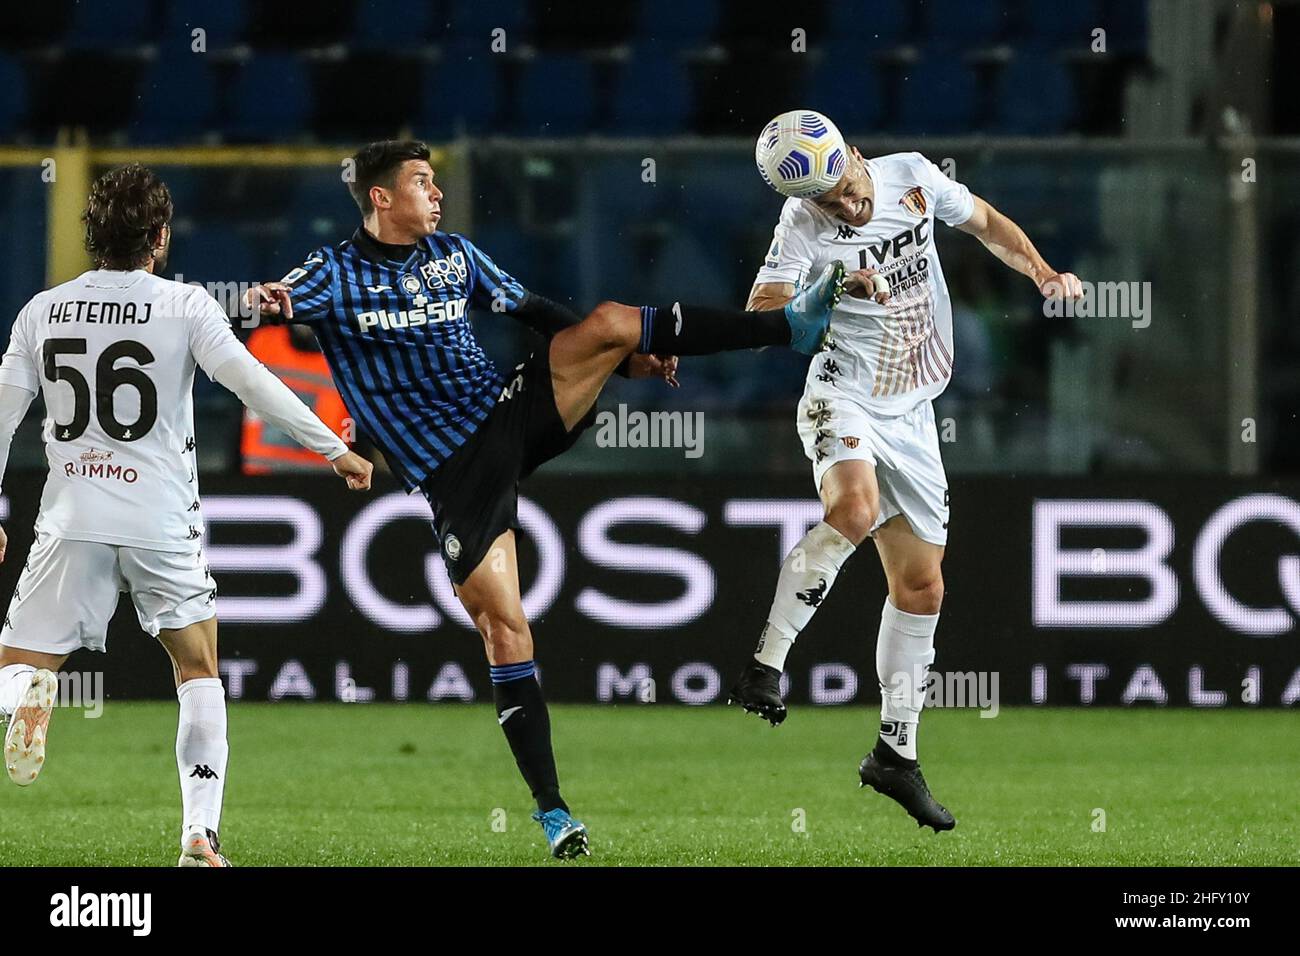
(889, 756)
(700, 330)
(522, 713)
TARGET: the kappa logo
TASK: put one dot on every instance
(846, 232)
(189, 443)
(452, 547)
(914, 201)
(813, 597)
(203, 772)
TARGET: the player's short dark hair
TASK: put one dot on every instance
(376, 164)
(127, 208)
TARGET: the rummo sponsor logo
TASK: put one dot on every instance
(1105, 300)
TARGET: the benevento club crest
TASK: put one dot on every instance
(914, 201)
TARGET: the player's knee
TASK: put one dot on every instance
(613, 325)
(919, 591)
(505, 634)
(854, 515)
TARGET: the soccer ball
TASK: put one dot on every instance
(800, 154)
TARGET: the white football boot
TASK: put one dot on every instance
(200, 847)
(28, 725)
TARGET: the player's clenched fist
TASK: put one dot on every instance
(270, 298)
(1061, 285)
(867, 284)
(354, 469)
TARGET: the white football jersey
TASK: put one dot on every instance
(892, 356)
(114, 355)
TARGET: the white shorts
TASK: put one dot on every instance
(904, 449)
(69, 590)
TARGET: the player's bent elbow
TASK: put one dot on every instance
(614, 325)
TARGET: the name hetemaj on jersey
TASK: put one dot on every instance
(99, 313)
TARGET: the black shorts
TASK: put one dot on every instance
(475, 493)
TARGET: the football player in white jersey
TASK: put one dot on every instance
(868, 426)
(113, 352)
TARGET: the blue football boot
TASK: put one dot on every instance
(567, 836)
(809, 312)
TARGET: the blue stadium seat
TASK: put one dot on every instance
(555, 96)
(854, 107)
(937, 97)
(652, 93)
(678, 24)
(108, 25)
(223, 23)
(1065, 25)
(1035, 95)
(966, 23)
(1125, 22)
(461, 93)
(396, 24)
(13, 95)
(272, 99)
(177, 99)
(211, 254)
(884, 22)
(474, 20)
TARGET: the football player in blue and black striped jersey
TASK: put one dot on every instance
(389, 308)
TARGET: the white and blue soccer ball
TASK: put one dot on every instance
(801, 154)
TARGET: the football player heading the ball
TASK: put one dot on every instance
(866, 418)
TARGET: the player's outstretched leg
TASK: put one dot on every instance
(807, 576)
(491, 596)
(201, 747)
(904, 653)
(27, 695)
(583, 356)
(802, 324)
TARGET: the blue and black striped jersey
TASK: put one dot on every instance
(399, 341)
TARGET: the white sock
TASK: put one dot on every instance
(14, 681)
(201, 751)
(904, 653)
(806, 577)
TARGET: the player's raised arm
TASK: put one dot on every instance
(303, 295)
(230, 364)
(1006, 240)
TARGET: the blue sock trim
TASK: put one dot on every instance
(647, 327)
(502, 673)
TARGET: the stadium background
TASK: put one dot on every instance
(1161, 150)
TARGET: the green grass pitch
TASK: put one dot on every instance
(339, 784)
